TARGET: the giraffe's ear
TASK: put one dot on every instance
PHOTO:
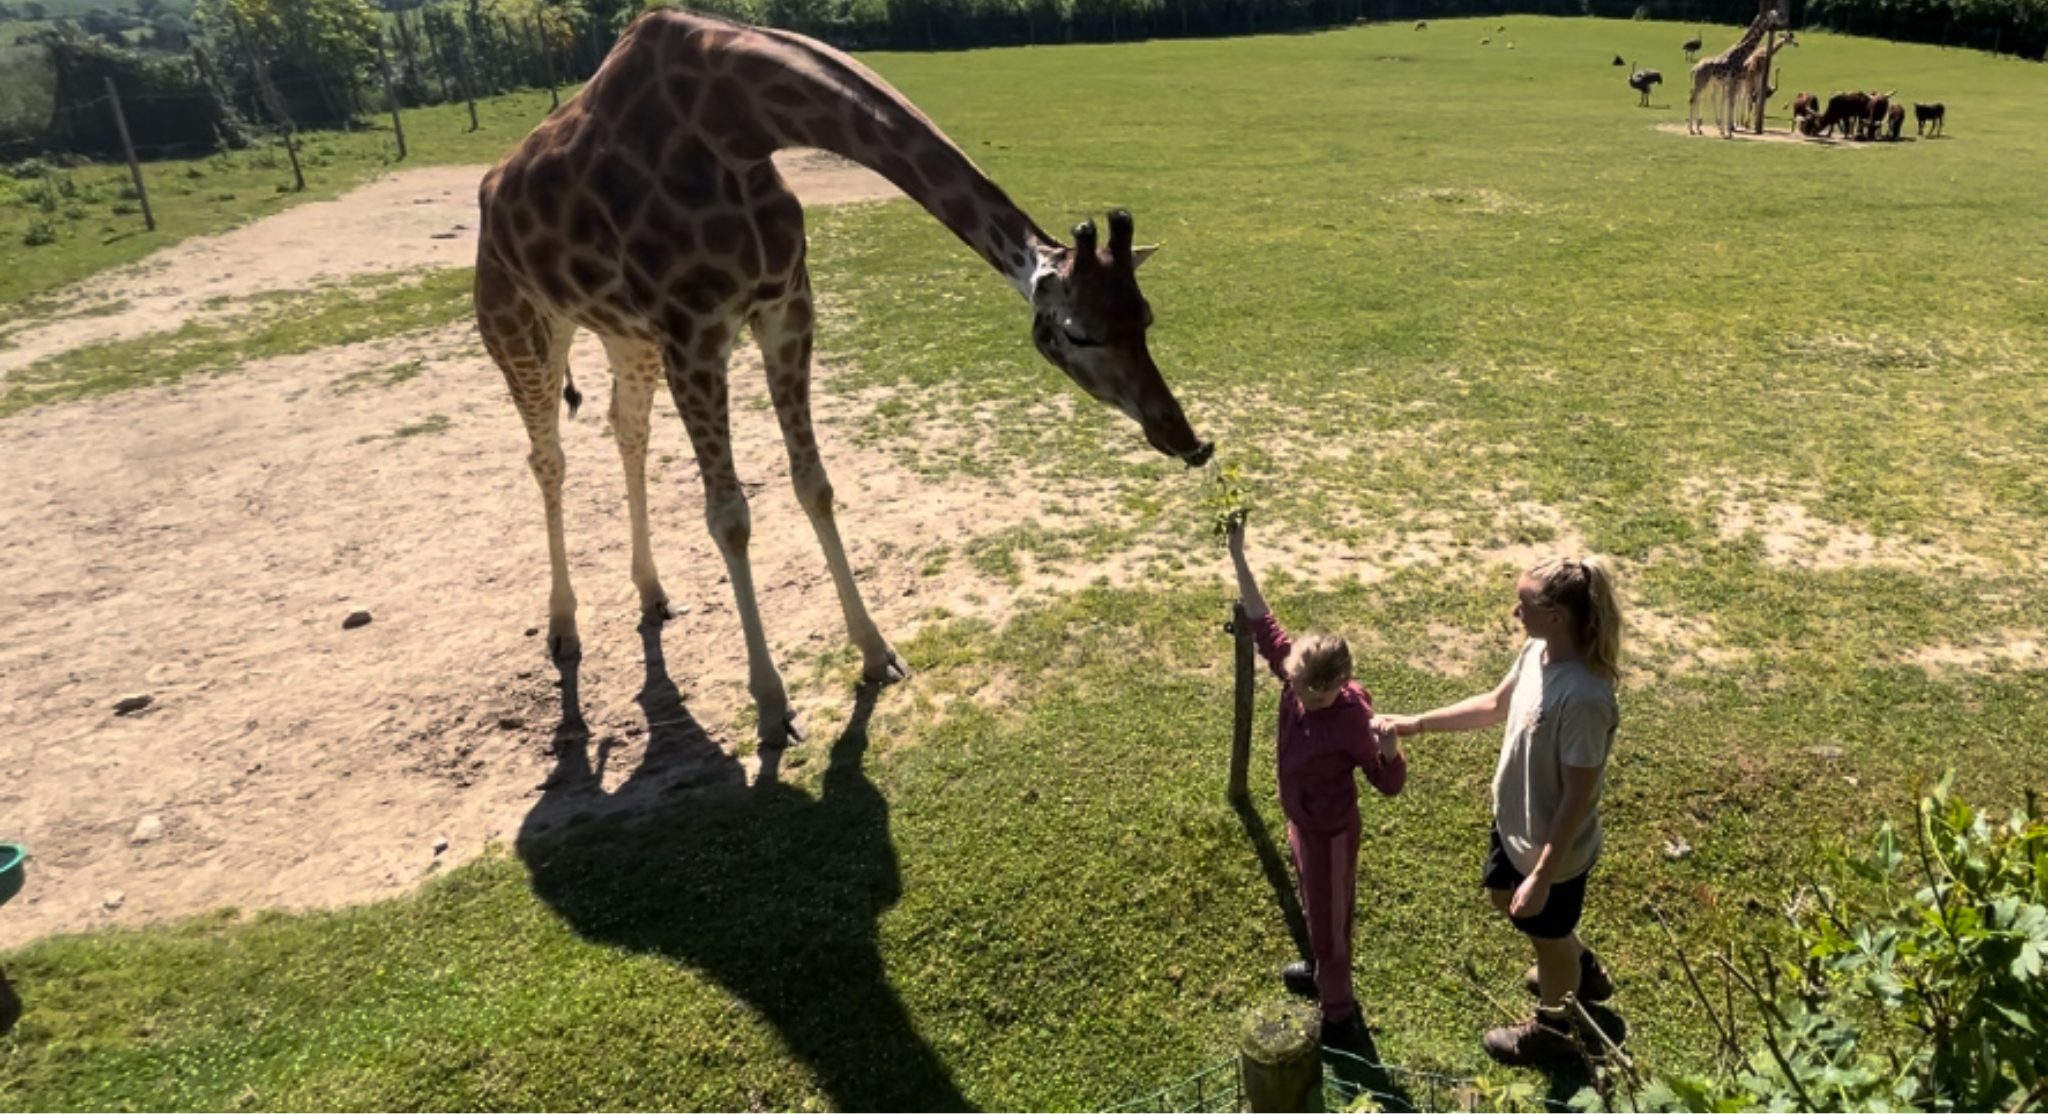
(1140, 255)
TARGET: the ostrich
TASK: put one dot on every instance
(1692, 46)
(1641, 81)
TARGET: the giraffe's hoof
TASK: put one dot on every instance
(565, 649)
(784, 734)
(890, 672)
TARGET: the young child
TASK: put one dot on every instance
(1326, 732)
(1558, 704)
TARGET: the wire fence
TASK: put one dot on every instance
(1349, 1080)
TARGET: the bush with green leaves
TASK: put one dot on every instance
(1917, 981)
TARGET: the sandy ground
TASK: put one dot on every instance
(202, 545)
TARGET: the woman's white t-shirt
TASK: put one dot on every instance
(1560, 715)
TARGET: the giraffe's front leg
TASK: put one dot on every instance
(635, 369)
(696, 377)
(784, 334)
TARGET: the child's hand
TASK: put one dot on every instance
(1402, 726)
(1387, 737)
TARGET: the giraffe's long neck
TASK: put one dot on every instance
(1738, 54)
(802, 93)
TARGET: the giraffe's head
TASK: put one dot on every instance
(1089, 319)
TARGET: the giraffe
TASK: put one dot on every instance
(1725, 69)
(1753, 87)
(647, 210)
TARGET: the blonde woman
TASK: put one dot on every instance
(1558, 704)
(1327, 736)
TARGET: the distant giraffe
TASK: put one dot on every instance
(647, 210)
(1724, 70)
(1756, 87)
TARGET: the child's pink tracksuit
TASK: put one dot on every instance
(1317, 752)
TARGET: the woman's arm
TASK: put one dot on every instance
(1581, 784)
(1488, 709)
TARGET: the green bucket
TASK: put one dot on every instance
(13, 868)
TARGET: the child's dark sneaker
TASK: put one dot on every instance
(1594, 983)
(1300, 978)
(1542, 1040)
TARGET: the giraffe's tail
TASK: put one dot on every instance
(570, 394)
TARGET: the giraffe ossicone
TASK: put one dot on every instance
(647, 210)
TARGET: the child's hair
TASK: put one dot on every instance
(1320, 662)
(1585, 589)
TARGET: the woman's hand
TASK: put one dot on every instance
(1384, 734)
(1402, 726)
(1530, 897)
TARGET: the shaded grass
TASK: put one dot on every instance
(1474, 299)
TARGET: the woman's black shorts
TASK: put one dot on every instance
(1560, 915)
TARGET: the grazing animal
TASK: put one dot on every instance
(1805, 111)
(1692, 47)
(1894, 119)
(1725, 70)
(1642, 81)
(1874, 116)
(647, 210)
(1845, 111)
(1925, 114)
(1422, 25)
(1618, 61)
(1483, 42)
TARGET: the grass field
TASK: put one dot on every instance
(1429, 295)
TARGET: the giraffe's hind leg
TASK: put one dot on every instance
(784, 333)
(636, 368)
(532, 349)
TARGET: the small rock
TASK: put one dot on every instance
(1853, 780)
(1825, 752)
(531, 631)
(1676, 849)
(133, 703)
(510, 723)
(441, 236)
(147, 829)
(360, 617)
(440, 844)
(113, 901)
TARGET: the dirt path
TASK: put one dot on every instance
(202, 544)
(419, 218)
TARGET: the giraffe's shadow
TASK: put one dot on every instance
(770, 891)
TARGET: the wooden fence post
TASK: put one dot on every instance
(1241, 723)
(276, 103)
(128, 145)
(1280, 1059)
(390, 94)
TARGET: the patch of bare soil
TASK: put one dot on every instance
(1771, 135)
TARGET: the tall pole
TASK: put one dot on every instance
(390, 95)
(128, 146)
(1241, 723)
